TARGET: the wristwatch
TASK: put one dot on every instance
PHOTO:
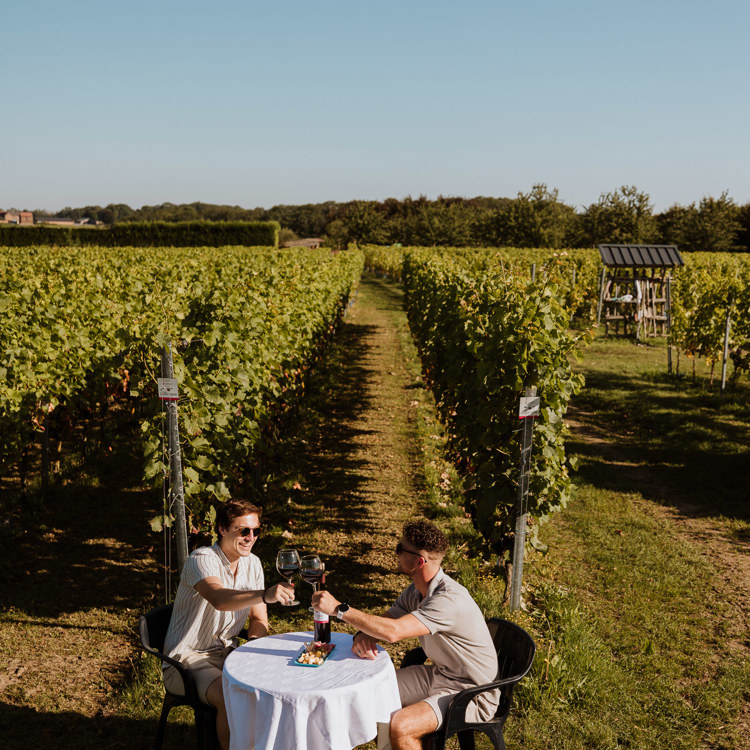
(343, 608)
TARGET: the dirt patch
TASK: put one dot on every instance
(78, 570)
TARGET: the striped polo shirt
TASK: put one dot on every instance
(196, 625)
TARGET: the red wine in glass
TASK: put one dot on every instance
(288, 571)
(287, 563)
(311, 576)
(311, 570)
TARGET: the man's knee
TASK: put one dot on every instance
(412, 721)
(399, 725)
(401, 729)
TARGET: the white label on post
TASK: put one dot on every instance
(529, 407)
(167, 389)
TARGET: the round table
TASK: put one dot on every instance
(274, 704)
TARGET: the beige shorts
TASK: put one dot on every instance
(205, 666)
(425, 683)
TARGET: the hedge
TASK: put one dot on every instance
(147, 234)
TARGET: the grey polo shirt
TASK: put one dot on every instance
(459, 643)
(196, 625)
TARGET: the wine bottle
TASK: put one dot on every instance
(322, 621)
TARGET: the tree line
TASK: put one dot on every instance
(538, 218)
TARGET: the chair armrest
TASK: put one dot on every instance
(187, 678)
(455, 718)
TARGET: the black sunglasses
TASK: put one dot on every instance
(246, 531)
(400, 548)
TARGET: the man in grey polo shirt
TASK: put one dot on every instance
(220, 588)
(451, 630)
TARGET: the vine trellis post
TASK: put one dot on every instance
(168, 396)
(725, 355)
(528, 409)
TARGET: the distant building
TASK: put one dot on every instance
(16, 217)
(58, 221)
(311, 242)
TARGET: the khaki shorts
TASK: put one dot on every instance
(425, 683)
(205, 666)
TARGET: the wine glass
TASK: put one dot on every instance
(287, 563)
(311, 570)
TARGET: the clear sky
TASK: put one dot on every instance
(253, 103)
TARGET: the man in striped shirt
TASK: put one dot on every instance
(220, 587)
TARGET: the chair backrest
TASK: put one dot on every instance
(515, 655)
(153, 628)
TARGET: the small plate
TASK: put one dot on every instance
(299, 663)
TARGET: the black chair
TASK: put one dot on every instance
(515, 654)
(153, 629)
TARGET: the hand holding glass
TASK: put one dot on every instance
(287, 563)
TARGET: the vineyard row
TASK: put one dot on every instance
(703, 292)
(82, 330)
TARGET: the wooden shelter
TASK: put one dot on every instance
(634, 289)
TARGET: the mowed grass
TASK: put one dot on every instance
(640, 618)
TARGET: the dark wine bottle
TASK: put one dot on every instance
(322, 631)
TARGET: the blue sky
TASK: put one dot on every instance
(260, 103)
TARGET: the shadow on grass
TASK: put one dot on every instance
(86, 547)
(673, 443)
(26, 728)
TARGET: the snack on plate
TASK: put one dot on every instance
(315, 653)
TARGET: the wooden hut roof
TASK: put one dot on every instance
(643, 256)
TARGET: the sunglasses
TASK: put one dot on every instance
(246, 531)
(400, 548)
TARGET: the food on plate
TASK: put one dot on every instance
(315, 653)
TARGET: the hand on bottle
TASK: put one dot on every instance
(324, 601)
(280, 592)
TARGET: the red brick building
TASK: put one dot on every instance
(16, 217)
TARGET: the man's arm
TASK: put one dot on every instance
(381, 628)
(257, 627)
(230, 600)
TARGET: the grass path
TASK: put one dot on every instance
(356, 466)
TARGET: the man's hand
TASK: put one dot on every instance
(365, 646)
(279, 592)
(325, 602)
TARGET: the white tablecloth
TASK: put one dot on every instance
(273, 704)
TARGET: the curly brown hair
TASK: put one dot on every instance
(227, 511)
(426, 537)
